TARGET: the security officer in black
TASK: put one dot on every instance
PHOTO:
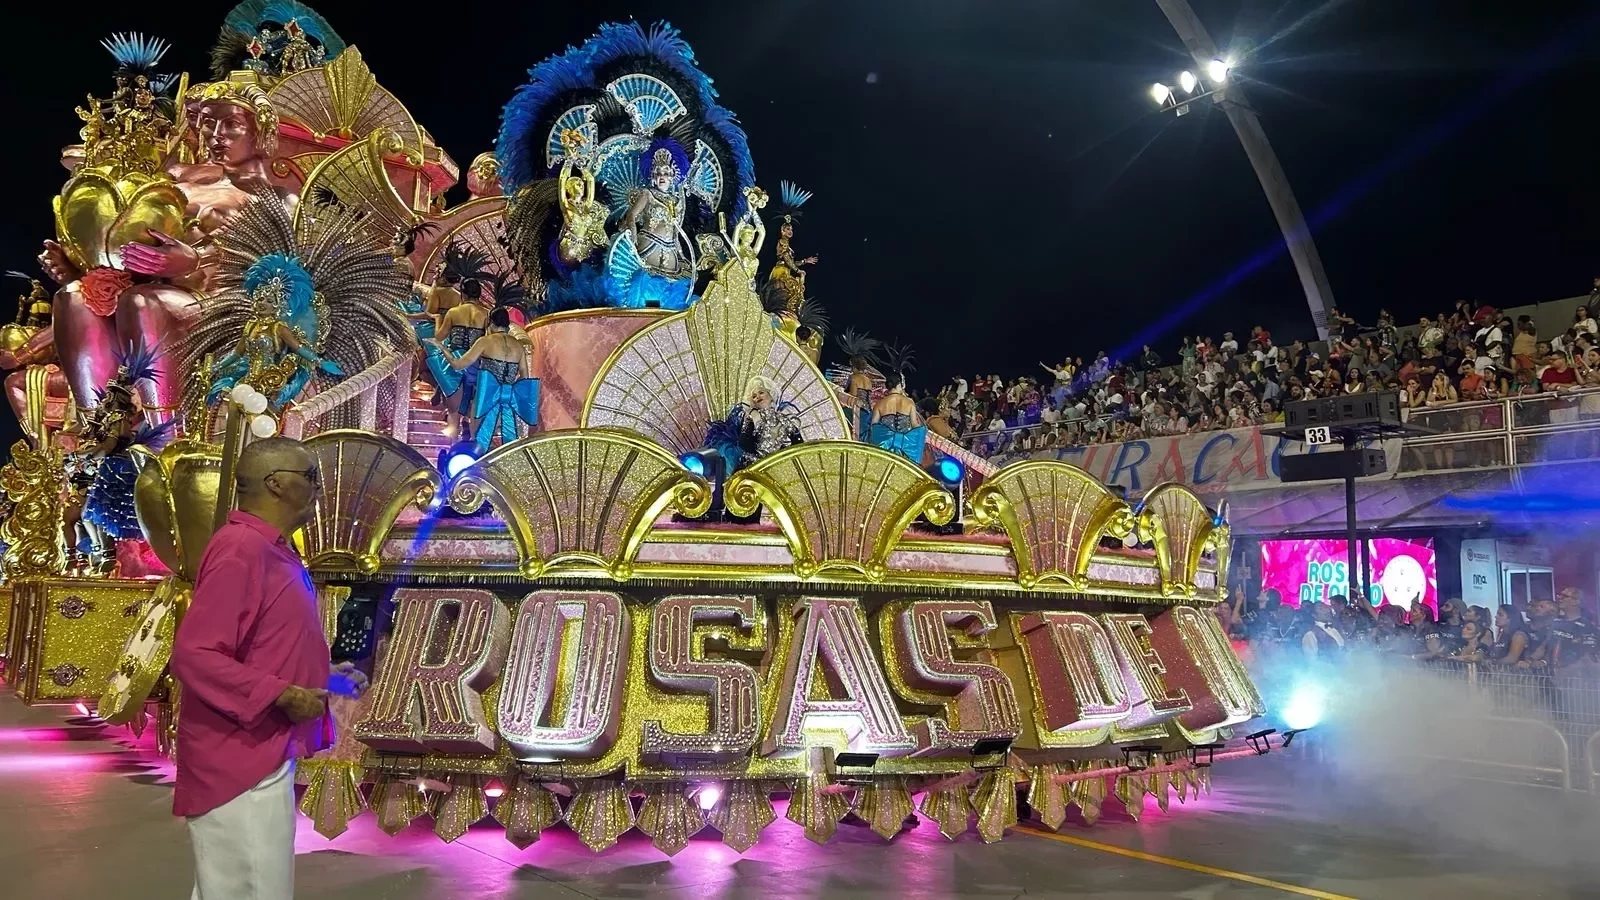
(1572, 636)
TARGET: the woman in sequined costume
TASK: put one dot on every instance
(505, 390)
(768, 425)
(465, 271)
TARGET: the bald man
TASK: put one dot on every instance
(253, 664)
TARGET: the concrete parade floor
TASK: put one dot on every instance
(82, 816)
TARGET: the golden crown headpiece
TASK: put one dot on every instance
(662, 161)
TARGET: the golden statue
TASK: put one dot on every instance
(583, 219)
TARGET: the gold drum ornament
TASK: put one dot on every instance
(175, 498)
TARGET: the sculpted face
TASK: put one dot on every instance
(227, 133)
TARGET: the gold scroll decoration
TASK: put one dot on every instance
(841, 504)
(343, 99)
(1183, 530)
(367, 481)
(672, 377)
(175, 497)
(580, 497)
(1055, 514)
(356, 178)
(32, 481)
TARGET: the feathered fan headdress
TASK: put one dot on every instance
(857, 345)
(791, 197)
(898, 359)
(256, 32)
(636, 99)
(355, 320)
(135, 53)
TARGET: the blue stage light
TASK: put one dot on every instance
(949, 470)
(694, 462)
(457, 458)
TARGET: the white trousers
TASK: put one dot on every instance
(244, 849)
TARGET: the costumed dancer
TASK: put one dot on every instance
(787, 280)
(862, 352)
(896, 424)
(465, 271)
(649, 263)
(505, 390)
(415, 304)
(297, 306)
(273, 38)
(630, 109)
(103, 468)
(767, 425)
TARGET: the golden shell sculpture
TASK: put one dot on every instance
(1055, 514)
(96, 214)
(843, 505)
(367, 481)
(677, 375)
(580, 497)
(175, 498)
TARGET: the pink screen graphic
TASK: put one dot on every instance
(1313, 570)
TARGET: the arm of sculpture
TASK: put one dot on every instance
(40, 348)
(168, 258)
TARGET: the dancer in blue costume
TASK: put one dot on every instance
(465, 270)
(650, 262)
(862, 352)
(896, 424)
(505, 390)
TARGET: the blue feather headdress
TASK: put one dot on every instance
(135, 53)
(561, 86)
(297, 285)
(791, 197)
(137, 362)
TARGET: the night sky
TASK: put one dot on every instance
(992, 182)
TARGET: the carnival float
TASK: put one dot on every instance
(613, 548)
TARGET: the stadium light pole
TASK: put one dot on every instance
(1230, 96)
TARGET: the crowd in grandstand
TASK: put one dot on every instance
(1554, 636)
(1464, 355)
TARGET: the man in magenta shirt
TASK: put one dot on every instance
(253, 664)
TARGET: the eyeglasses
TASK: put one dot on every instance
(313, 474)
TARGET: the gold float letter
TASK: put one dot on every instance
(920, 642)
(1142, 670)
(679, 630)
(1202, 664)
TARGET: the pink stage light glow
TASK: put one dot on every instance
(708, 796)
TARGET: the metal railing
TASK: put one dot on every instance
(1515, 431)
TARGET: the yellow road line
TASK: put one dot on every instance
(1185, 864)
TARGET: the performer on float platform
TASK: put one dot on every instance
(505, 390)
(862, 352)
(896, 424)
